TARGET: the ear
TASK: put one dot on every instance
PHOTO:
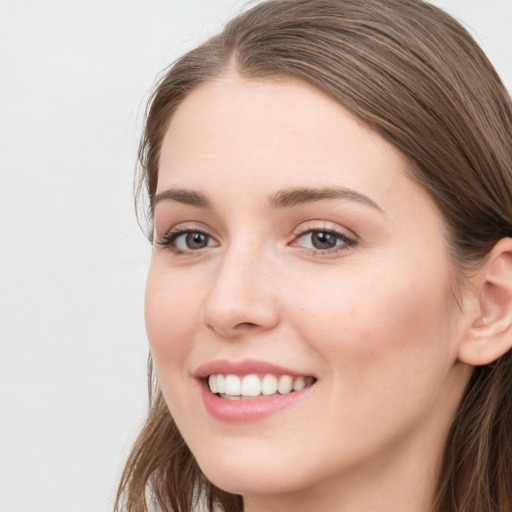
(490, 334)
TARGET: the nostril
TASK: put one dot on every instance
(245, 325)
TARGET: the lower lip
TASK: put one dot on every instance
(238, 411)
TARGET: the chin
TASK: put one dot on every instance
(251, 483)
(246, 477)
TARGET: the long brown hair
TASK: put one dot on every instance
(415, 76)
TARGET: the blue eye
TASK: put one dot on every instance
(324, 240)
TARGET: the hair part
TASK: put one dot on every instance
(415, 76)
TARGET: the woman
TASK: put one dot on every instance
(329, 302)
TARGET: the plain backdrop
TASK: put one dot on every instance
(74, 76)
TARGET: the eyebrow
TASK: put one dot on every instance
(297, 196)
(287, 198)
(182, 195)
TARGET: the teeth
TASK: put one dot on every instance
(269, 385)
(251, 385)
(284, 384)
(233, 385)
(212, 383)
(299, 383)
(221, 383)
(254, 385)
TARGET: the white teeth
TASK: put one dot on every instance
(232, 385)
(299, 383)
(221, 383)
(269, 385)
(212, 383)
(253, 385)
(284, 384)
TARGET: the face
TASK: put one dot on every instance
(293, 251)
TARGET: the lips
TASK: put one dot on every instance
(250, 390)
(244, 367)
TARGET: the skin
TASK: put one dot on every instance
(374, 321)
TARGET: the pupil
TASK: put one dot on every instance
(323, 240)
(196, 240)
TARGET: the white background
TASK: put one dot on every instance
(73, 79)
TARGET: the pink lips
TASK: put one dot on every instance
(245, 410)
(242, 368)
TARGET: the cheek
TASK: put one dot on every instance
(382, 328)
(388, 352)
(170, 318)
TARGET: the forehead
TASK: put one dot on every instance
(282, 128)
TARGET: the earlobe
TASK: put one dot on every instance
(490, 333)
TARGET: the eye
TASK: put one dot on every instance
(182, 241)
(323, 240)
(192, 240)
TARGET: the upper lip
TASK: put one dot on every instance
(245, 367)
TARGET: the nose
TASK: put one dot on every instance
(242, 298)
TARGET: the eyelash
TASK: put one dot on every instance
(168, 241)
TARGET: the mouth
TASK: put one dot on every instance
(255, 386)
(251, 390)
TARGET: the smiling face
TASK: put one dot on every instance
(291, 243)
